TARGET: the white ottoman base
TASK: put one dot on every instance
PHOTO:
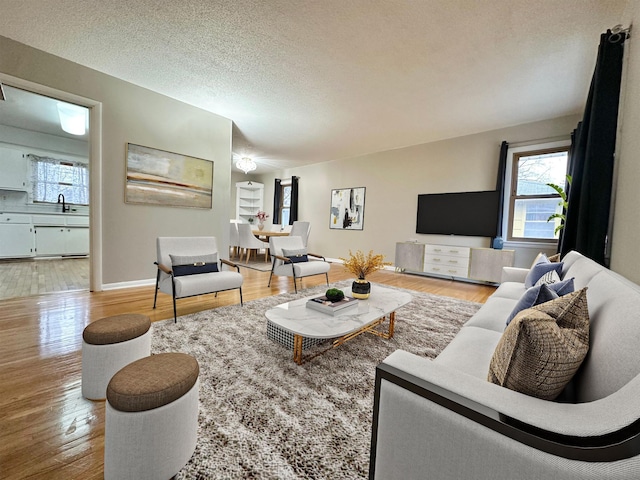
(101, 362)
(153, 444)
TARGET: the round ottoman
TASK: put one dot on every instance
(108, 345)
(151, 423)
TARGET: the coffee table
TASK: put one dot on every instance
(294, 318)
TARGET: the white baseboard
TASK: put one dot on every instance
(132, 284)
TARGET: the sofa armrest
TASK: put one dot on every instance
(539, 425)
(514, 274)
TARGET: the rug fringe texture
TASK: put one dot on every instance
(262, 416)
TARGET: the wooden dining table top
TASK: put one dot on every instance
(269, 233)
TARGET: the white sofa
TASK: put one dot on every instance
(442, 419)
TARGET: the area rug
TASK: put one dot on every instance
(262, 416)
(258, 264)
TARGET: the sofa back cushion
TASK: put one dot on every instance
(614, 311)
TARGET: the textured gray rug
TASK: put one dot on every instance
(263, 416)
(253, 264)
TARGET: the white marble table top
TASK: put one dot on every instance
(296, 318)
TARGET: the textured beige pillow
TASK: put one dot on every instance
(554, 258)
(543, 347)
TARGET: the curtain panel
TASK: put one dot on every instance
(592, 156)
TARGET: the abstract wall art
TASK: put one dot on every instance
(347, 209)
(156, 177)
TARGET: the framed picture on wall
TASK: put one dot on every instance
(347, 209)
(156, 177)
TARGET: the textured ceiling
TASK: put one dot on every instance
(309, 81)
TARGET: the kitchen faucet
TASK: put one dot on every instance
(65, 208)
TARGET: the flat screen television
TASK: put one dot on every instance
(473, 214)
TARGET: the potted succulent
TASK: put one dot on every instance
(362, 266)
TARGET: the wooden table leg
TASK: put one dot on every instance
(297, 349)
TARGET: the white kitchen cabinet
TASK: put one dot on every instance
(77, 241)
(13, 166)
(16, 240)
(55, 241)
(249, 199)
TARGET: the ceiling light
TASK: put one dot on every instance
(73, 118)
(246, 164)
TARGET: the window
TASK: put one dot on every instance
(51, 177)
(285, 204)
(532, 201)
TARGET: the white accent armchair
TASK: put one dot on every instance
(291, 259)
(197, 254)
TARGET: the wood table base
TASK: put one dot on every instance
(370, 328)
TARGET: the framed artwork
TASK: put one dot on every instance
(347, 209)
(156, 177)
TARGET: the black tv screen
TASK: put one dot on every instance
(473, 214)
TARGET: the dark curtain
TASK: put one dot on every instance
(500, 184)
(592, 156)
(293, 216)
(277, 193)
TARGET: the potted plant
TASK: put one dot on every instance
(261, 216)
(362, 266)
(564, 202)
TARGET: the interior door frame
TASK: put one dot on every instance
(95, 167)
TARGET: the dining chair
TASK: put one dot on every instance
(302, 230)
(249, 242)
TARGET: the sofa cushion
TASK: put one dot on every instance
(539, 269)
(471, 350)
(492, 314)
(533, 296)
(563, 287)
(543, 347)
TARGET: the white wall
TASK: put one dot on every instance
(393, 180)
(625, 258)
(131, 114)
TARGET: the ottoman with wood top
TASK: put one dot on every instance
(108, 345)
(151, 423)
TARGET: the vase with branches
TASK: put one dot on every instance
(361, 266)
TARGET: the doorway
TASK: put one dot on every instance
(55, 197)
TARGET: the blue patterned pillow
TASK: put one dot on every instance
(533, 296)
(563, 287)
(539, 269)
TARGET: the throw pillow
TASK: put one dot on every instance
(539, 269)
(193, 264)
(533, 296)
(543, 347)
(548, 278)
(563, 287)
(554, 258)
(296, 255)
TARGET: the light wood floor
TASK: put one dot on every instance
(23, 278)
(47, 429)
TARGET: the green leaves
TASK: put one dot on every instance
(564, 203)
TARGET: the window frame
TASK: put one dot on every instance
(57, 162)
(282, 207)
(533, 150)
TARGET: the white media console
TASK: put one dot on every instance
(464, 263)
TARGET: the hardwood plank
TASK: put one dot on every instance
(47, 429)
